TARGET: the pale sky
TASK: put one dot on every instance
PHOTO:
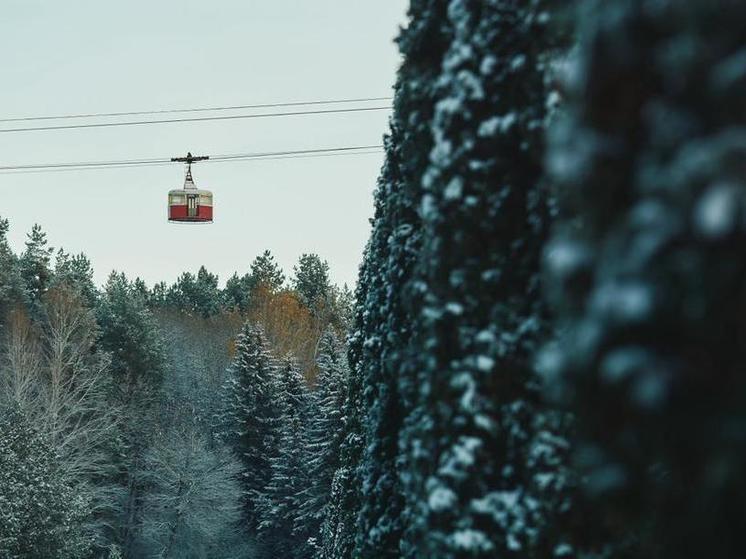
(102, 56)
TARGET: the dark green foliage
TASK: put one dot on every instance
(196, 294)
(648, 273)
(340, 523)
(266, 272)
(75, 271)
(130, 334)
(325, 428)
(342, 308)
(236, 293)
(381, 502)
(383, 326)
(311, 280)
(483, 458)
(158, 296)
(12, 289)
(40, 517)
(282, 529)
(249, 422)
(35, 264)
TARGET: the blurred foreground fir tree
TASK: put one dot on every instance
(648, 274)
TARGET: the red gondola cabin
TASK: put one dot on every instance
(189, 204)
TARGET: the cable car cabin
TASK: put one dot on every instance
(186, 206)
(189, 205)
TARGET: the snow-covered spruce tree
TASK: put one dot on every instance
(249, 420)
(129, 333)
(379, 519)
(39, 514)
(283, 531)
(340, 520)
(325, 432)
(483, 456)
(648, 275)
(384, 324)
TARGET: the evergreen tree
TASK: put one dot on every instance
(35, 264)
(340, 520)
(75, 271)
(129, 333)
(158, 296)
(325, 433)
(141, 288)
(342, 309)
(648, 274)
(196, 294)
(249, 422)
(311, 280)
(266, 272)
(235, 296)
(482, 483)
(12, 289)
(39, 515)
(379, 519)
(283, 531)
(384, 357)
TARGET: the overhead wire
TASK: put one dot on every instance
(225, 158)
(197, 109)
(192, 119)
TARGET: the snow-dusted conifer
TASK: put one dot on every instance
(282, 531)
(325, 429)
(648, 273)
(39, 514)
(384, 327)
(482, 460)
(340, 521)
(129, 333)
(249, 422)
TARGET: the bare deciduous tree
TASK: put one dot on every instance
(57, 379)
(193, 506)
